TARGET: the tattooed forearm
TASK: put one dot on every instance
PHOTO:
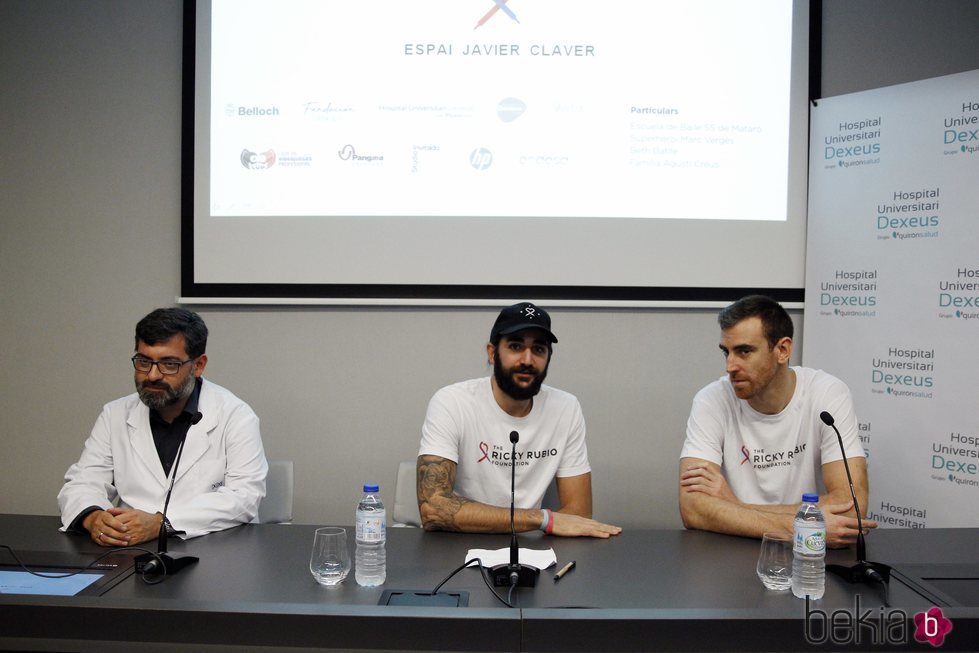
(438, 504)
(441, 513)
(435, 476)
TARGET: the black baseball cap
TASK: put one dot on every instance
(519, 317)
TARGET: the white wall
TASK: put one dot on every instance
(89, 243)
(873, 43)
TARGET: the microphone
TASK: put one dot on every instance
(163, 562)
(514, 574)
(863, 571)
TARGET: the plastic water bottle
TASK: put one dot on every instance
(809, 550)
(370, 567)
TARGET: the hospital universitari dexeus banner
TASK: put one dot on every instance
(892, 288)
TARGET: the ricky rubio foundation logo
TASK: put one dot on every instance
(876, 627)
(495, 454)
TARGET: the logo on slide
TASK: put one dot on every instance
(348, 153)
(415, 153)
(257, 160)
(481, 158)
(498, 5)
(232, 110)
(509, 109)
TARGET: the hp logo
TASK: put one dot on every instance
(481, 158)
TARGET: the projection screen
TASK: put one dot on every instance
(448, 150)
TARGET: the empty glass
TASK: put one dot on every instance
(330, 560)
(775, 561)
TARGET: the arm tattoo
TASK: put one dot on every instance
(436, 499)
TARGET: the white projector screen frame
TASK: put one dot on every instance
(409, 241)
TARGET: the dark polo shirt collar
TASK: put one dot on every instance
(168, 437)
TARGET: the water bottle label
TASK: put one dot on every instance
(810, 540)
(371, 529)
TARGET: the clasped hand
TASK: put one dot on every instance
(122, 526)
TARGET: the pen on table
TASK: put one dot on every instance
(565, 569)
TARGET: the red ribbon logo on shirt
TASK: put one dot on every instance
(485, 449)
(744, 452)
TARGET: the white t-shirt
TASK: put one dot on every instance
(464, 424)
(773, 459)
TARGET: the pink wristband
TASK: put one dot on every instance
(548, 526)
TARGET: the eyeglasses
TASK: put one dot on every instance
(166, 367)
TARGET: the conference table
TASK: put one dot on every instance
(645, 590)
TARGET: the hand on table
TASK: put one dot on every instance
(841, 529)
(568, 525)
(122, 526)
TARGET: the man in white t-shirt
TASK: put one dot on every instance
(755, 441)
(464, 461)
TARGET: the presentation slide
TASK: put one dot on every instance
(407, 145)
(587, 110)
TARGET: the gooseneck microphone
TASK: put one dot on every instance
(514, 574)
(863, 571)
(163, 562)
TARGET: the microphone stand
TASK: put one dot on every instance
(863, 571)
(150, 563)
(514, 574)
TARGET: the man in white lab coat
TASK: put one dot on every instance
(116, 491)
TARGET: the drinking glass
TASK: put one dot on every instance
(330, 560)
(775, 561)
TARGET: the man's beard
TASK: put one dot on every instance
(504, 379)
(170, 396)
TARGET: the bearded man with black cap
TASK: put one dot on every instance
(464, 458)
